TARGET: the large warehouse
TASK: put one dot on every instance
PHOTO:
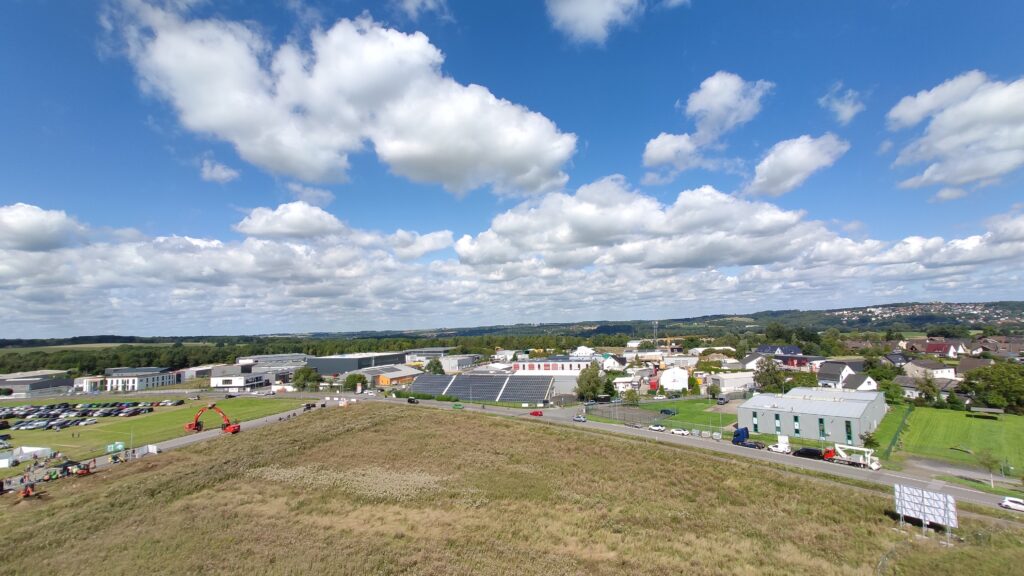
(342, 363)
(828, 414)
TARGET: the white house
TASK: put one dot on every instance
(583, 352)
(923, 368)
(241, 382)
(613, 363)
(832, 374)
(675, 379)
(860, 382)
(750, 361)
(135, 379)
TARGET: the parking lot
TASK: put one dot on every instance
(65, 414)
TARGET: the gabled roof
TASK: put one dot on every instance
(753, 356)
(897, 358)
(831, 370)
(780, 348)
(929, 364)
(938, 347)
(968, 364)
(942, 384)
(855, 381)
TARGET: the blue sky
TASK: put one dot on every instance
(447, 165)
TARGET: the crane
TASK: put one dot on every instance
(196, 425)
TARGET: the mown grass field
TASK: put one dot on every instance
(889, 425)
(937, 434)
(692, 412)
(91, 346)
(378, 489)
(164, 423)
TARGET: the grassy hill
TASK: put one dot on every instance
(376, 489)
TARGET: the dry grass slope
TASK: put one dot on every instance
(398, 490)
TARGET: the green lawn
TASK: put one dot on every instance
(163, 423)
(692, 412)
(887, 429)
(935, 433)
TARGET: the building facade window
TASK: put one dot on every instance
(796, 425)
(755, 422)
(849, 432)
(821, 428)
(778, 424)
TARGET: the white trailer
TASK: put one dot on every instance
(854, 456)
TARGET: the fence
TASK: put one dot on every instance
(633, 416)
(899, 430)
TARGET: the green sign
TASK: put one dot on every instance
(115, 447)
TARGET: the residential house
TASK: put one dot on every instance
(613, 363)
(832, 374)
(968, 364)
(896, 360)
(750, 361)
(778, 349)
(860, 382)
(925, 368)
(944, 349)
(911, 387)
(675, 379)
(799, 362)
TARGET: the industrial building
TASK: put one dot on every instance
(825, 414)
(424, 355)
(458, 363)
(731, 382)
(36, 383)
(239, 378)
(342, 363)
(195, 372)
(274, 360)
(135, 379)
(391, 375)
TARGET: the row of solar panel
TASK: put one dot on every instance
(474, 388)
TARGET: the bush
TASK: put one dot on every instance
(410, 394)
(446, 398)
(6, 391)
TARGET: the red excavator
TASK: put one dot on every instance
(196, 425)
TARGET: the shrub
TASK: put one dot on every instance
(6, 391)
(446, 398)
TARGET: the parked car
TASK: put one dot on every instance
(722, 400)
(669, 412)
(656, 428)
(812, 453)
(536, 413)
(579, 418)
(413, 401)
(1011, 503)
(229, 396)
(780, 448)
(680, 432)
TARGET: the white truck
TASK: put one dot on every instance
(853, 456)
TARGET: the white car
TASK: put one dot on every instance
(680, 432)
(656, 428)
(780, 448)
(1013, 503)
(661, 397)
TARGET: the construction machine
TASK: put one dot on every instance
(196, 425)
(853, 456)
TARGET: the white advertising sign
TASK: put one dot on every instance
(926, 506)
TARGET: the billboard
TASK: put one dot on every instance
(926, 506)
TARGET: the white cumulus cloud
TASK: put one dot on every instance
(789, 163)
(292, 220)
(974, 134)
(723, 102)
(592, 20)
(302, 111)
(213, 171)
(31, 228)
(413, 8)
(845, 105)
